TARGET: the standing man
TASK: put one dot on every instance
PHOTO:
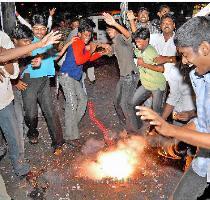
(122, 47)
(70, 76)
(142, 21)
(193, 42)
(38, 90)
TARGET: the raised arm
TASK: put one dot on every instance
(22, 20)
(131, 19)
(111, 21)
(50, 18)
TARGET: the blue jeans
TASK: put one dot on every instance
(18, 105)
(9, 126)
(125, 89)
(75, 106)
(142, 94)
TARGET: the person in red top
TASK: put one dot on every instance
(80, 52)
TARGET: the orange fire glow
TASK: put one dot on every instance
(119, 162)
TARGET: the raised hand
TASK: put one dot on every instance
(109, 19)
(52, 11)
(50, 38)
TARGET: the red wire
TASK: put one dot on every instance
(98, 123)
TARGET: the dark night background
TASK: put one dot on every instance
(72, 9)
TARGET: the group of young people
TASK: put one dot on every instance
(146, 53)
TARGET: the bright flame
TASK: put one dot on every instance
(119, 162)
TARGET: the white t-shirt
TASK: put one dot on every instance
(180, 95)
(6, 92)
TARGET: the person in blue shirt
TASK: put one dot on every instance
(38, 89)
(193, 43)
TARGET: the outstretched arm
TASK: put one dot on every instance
(111, 21)
(10, 54)
(63, 50)
(186, 133)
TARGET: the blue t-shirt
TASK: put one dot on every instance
(47, 65)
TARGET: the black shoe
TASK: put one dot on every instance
(92, 82)
(3, 153)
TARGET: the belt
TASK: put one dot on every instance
(63, 74)
(132, 73)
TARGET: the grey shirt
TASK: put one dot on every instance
(70, 36)
(123, 50)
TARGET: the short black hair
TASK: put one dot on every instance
(75, 19)
(142, 9)
(164, 6)
(193, 32)
(168, 16)
(142, 33)
(86, 24)
(39, 19)
(22, 32)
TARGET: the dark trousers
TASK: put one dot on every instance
(125, 90)
(190, 187)
(38, 90)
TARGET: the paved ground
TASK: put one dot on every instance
(155, 178)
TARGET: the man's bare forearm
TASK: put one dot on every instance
(191, 136)
(168, 109)
(11, 54)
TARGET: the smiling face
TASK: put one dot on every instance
(164, 11)
(167, 25)
(39, 31)
(200, 59)
(143, 16)
(141, 44)
(85, 36)
(111, 32)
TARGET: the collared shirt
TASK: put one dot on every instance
(47, 64)
(164, 48)
(5, 86)
(150, 79)
(181, 93)
(201, 87)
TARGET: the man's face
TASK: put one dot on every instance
(198, 59)
(163, 12)
(39, 31)
(167, 25)
(75, 24)
(85, 36)
(143, 16)
(62, 24)
(141, 44)
(21, 43)
(111, 32)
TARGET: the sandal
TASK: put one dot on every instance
(33, 140)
